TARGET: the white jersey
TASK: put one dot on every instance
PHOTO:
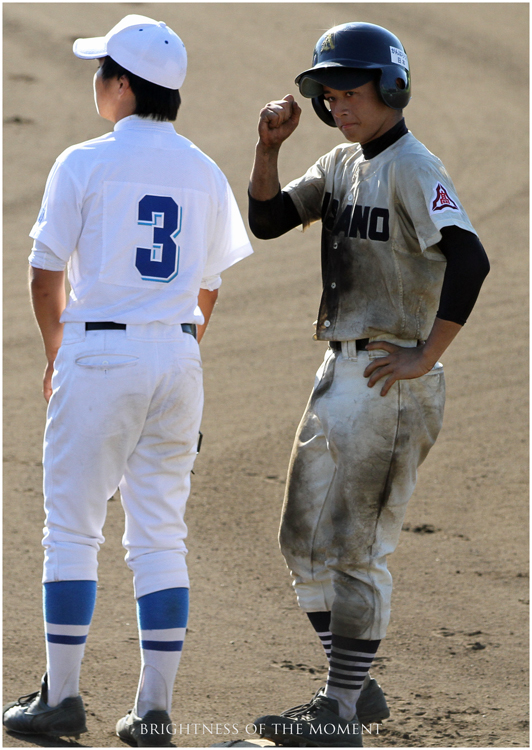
(382, 269)
(142, 216)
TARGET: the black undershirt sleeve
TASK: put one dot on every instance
(269, 219)
(467, 267)
(467, 262)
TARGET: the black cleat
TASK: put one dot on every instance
(319, 725)
(155, 729)
(31, 714)
(371, 706)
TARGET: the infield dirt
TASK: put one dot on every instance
(455, 663)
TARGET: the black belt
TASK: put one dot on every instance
(360, 345)
(108, 326)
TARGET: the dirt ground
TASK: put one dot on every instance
(455, 663)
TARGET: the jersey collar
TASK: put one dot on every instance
(380, 144)
(134, 122)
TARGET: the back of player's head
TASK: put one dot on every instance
(352, 54)
(143, 47)
(152, 100)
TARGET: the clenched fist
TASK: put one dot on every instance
(277, 121)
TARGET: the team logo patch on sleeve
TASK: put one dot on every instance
(442, 200)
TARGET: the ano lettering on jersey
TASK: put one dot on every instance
(357, 221)
(442, 200)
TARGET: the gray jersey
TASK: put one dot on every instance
(382, 270)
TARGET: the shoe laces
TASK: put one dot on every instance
(296, 711)
(27, 699)
(318, 704)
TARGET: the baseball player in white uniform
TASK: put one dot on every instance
(401, 268)
(145, 224)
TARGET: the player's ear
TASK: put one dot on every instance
(123, 83)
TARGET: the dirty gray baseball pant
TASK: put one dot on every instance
(352, 471)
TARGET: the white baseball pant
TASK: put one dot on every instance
(352, 471)
(125, 412)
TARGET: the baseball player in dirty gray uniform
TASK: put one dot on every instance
(402, 267)
(145, 224)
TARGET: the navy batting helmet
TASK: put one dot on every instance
(350, 55)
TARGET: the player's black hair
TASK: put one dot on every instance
(153, 100)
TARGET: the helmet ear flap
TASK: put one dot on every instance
(394, 86)
(318, 102)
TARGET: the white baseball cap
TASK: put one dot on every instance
(145, 47)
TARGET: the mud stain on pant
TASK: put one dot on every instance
(352, 471)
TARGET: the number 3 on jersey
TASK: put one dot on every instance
(161, 261)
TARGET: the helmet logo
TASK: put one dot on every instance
(398, 57)
(328, 44)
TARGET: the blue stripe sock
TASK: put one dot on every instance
(162, 618)
(69, 602)
(68, 608)
(163, 609)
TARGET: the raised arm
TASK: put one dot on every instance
(277, 122)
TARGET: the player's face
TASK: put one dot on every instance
(360, 114)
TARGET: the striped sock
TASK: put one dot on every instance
(321, 622)
(350, 661)
(162, 618)
(68, 608)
